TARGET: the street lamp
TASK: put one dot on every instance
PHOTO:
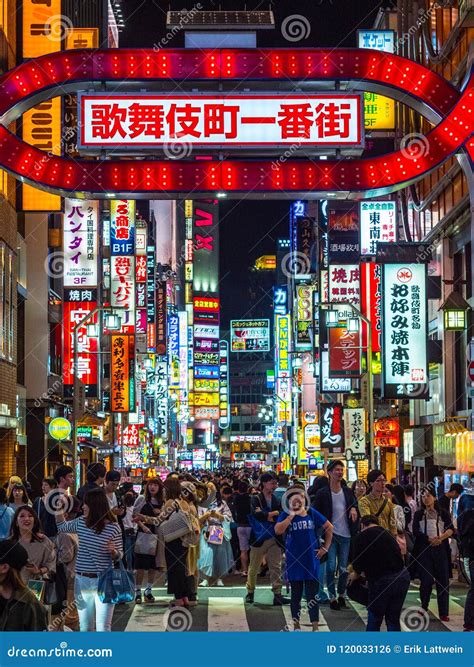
(455, 309)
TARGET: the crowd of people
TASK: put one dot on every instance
(366, 541)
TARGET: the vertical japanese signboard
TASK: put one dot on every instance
(224, 388)
(150, 299)
(122, 372)
(332, 428)
(206, 247)
(404, 364)
(160, 317)
(122, 227)
(354, 433)
(343, 235)
(371, 302)
(80, 243)
(304, 316)
(283, 368)
(378, 224)
(161, 398)
(77, 305)
(173, 349)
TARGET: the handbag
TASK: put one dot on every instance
(146, 544)
(50, 595)
(215, 535)
(192, 539)
(178, 524)
(116, 585)
(358, 591)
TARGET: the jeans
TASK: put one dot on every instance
(128, 550)
(469, 609)
(90, 608)
(338, 551)
(434, 569)
(310, 587)
(322, 595)
(386, 598)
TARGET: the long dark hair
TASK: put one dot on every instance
(15, 530)
(25, 498)
(99, 510)
(159, 495)
(399, 499)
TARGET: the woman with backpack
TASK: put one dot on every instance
(432, 528)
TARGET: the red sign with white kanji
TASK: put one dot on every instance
(233, 120)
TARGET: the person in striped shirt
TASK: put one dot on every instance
(100, 544)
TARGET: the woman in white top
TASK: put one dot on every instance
(100, 544)
(216, 558)
(432, 528)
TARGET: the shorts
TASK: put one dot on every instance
(243, 533)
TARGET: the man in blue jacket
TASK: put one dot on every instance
(338, 504)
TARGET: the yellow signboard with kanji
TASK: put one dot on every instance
(379, 112)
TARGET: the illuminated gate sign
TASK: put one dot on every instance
(404, 364)
(233, 120)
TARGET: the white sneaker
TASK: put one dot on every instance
(219, 582)
(204, 583)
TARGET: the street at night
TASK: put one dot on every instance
(236, 330)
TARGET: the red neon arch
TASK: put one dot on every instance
(70, 70)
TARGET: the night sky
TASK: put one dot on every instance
(250, 228)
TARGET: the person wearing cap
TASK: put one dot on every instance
(337, 502)
(19, 608)
(266, 508)
(376, 503)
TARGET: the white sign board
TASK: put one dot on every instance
(231, 120)
(80, 242)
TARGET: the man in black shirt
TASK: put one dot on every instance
(377, 555)
(444, 503)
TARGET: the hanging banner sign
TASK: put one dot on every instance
(280, 300)
(378, 223)
(332, 428)
(404, 363)
(122, 227)
(150, 299)
(234, 121)
(201, 331)
(80, 221)
(161, 398)
(173, 349)
(354, 433)
(123, 283)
